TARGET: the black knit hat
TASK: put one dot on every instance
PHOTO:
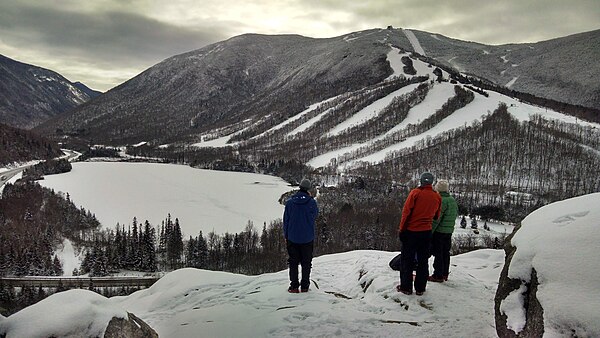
(426, 178)
(305, 185)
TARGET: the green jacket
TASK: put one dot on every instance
(445, 224)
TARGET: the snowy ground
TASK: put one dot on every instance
(353, 295)
(202, 199)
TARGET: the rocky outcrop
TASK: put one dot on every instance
(533, 311)
(133, 327)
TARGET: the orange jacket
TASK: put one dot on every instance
(422, 206)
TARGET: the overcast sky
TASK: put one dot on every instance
(102, 43)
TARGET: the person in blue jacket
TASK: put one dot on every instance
(299, 231)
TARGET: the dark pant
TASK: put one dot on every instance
(300, 254)
(415, 243)
(440, 248)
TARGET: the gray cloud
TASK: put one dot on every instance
(105, 40)
(103, 43)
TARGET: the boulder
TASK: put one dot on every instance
(133, 327)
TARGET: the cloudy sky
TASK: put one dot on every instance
(104, 42)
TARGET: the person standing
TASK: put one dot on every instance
(421, 207)
(299, 231)
(442, 229)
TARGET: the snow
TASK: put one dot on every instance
(309, 123)
(511, 82)
(560, 241)
(352, 295)
(371, 111)
(414, 42)
(434, 100)
(394, 57)
(295, 117)
(475, 111)
(202, 199)
(68, 257)
(217, 143)
(73, 313)
(513, 307)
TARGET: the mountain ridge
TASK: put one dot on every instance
(253, 75)
(30, 94)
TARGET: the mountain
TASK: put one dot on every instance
(20, 145)
(30, 95)
(359, 104)
(561, 69)
(248, 77)
(90, 92)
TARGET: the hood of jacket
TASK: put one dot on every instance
(301, 197)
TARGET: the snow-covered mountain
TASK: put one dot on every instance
(30, 95)
(353, 294)
(557, 69)
(234, 83)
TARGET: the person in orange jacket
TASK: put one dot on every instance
(421, 207)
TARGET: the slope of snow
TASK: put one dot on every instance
(353, 295)
(476, 110)
(73, 313)
(68, 257)
(394, 57)
(434, 100)
(560, 241)
(202, 199)
(371, 110)
(309, 123)
(414, 41)
(296, 117)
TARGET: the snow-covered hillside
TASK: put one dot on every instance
(437, 96)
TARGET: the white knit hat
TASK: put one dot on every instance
(442, 186)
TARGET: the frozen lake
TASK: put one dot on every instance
(204, 200)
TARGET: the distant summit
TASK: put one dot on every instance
(90, 92)
(30, 95)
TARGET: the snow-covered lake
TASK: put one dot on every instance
(204, 200)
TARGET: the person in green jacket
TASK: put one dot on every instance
(442, 230)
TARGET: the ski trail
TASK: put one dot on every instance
(414, 42)
(511, 82)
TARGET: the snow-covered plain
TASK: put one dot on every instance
(202, 199)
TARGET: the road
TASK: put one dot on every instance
(78, 282)
(5, 176)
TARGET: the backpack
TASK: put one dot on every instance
(396, 262)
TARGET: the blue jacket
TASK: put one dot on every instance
(299, 218)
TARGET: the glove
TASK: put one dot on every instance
(402, 236)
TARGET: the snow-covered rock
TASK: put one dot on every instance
(549, 284)
(74, 313)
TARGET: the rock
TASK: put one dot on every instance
(534, 313)
(131, 328)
